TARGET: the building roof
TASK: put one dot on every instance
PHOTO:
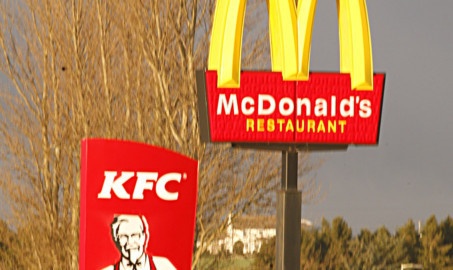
(261, 222)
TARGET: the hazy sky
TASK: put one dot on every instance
(410, 173)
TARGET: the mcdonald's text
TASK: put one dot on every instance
(266, 105)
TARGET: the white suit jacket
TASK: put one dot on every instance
(161, 263)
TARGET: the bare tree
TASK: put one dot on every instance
(115, 69)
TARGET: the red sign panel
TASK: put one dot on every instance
(138, 206)
(265, 108)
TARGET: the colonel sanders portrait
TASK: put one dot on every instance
(131, 236)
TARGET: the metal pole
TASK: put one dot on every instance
(289, 204)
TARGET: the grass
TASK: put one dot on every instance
(235, 262)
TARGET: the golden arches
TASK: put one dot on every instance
(226, 42)
(355, 43)
(290, 38)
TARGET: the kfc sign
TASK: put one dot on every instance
(145, 180)
(138, 206)
(290, 104)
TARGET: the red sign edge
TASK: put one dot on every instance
(203, 112)
(205, 132)
(382, 108)
(83, 191)
(83, 203)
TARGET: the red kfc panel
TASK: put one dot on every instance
(138, 206)
(265, 108)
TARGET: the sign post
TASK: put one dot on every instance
(289, 204)
(290, 108)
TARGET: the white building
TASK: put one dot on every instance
(251, 231)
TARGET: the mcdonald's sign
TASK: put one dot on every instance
(290, 104)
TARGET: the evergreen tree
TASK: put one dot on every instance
(339, 236)
(365, 236)
(383, 248)
(361, 253)
(407, 243)
(435, 252)
(325, 240)
(332, 247)
(313, 249)
(446, 228)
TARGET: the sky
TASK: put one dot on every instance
(409, 175)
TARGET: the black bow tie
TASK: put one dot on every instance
(134, 265)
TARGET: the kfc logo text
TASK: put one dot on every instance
(145, 180)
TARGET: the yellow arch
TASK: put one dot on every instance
(226, 42)
(293, 34)
(355, 43)
(218, 30)
(284, 28)
(305, 17)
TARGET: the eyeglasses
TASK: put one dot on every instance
(123, 238)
